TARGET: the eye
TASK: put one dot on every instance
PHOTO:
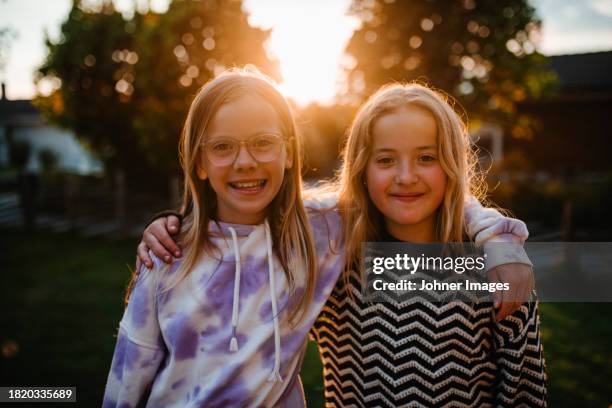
(428, 158)
(222, 146)
(385, 160)
(263, 142)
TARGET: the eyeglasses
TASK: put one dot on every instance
(264, 148)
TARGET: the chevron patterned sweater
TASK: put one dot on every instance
(427, 355)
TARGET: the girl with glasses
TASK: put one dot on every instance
(226, 325)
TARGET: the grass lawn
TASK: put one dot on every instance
(61, 298)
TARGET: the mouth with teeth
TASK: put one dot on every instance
(251, 186)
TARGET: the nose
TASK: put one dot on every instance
(406, 173)
(244, 160)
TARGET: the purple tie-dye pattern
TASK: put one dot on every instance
(254, 274)
(183, 338)
(153, 361)
(234, 393)
(219, 292)
(119, 357)
(290, 344)
(178, 384)
(219, 287)
(195, 323)
(209, 331)
(219, 342)
(192, 396)
(265, 311)
(175, 265)
(139, 303)
(126, 356)
(109, 403)
(321, 228)
(327, 276)
(164, 297)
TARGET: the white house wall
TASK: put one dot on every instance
(71, 156)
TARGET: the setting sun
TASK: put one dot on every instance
(309, 41)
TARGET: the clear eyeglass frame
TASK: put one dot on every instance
(263, 148)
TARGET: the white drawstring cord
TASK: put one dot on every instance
(234, 341)
(275, 375)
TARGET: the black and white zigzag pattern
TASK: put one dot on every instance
(421, 354)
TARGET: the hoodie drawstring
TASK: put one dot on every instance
(234, 341)
(275, 375)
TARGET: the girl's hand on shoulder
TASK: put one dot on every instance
(157, 237)
(520, 279)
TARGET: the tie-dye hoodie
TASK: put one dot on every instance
(213, 340)
(203, 344)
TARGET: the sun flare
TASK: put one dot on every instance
(308, 38)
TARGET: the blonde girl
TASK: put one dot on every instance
(408, 170)
(227, 324)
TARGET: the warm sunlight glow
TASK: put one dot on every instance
(308, 38)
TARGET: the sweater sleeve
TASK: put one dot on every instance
(521, 375)
(501, 237)
(140, 349)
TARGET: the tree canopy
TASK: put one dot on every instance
(125, 84)
(482, 52)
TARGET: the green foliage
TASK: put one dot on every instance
(87, 101)
(179, 51)
(126, 85)
(481, 52)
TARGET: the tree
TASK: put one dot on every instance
(178, 52)
(481, 52)
(88, 100)
(125, 85)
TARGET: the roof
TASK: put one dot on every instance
(8, 107)
(19, 113)
(583, 71)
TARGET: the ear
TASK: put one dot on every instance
(201, 172)
(289, 158)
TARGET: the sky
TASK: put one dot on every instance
(569, 27)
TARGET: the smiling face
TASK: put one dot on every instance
(245, 187)
(404, 178)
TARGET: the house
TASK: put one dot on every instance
(22, 122)
(574, 131)
(573, 128)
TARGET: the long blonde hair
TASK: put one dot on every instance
(292, 239)
(363, 222)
